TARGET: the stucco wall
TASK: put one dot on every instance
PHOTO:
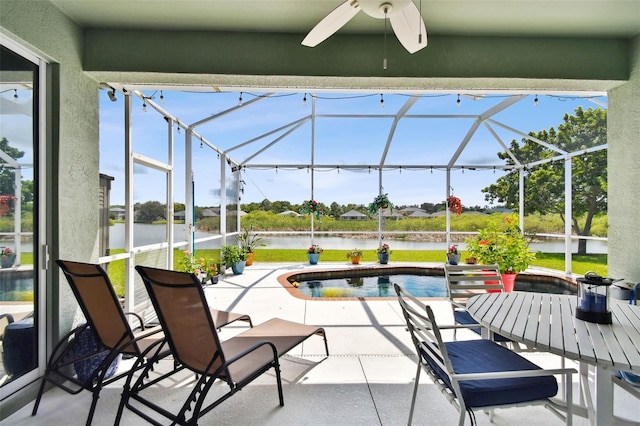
(44, 29)
(623, 135)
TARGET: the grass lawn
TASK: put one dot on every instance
(580, 264)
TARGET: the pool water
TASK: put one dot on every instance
(417, 285)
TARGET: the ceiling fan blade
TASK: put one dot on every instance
(408, 25)
(332, 23)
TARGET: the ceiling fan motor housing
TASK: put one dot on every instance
(377, 8)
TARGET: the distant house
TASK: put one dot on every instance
(421, 213)
(354, 215)
(209, 213)
(117, 213)
(389, 215)
(179, 215)
(410, 210)
(289, 213)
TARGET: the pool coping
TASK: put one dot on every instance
(364, 270)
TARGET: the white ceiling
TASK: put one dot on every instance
(535, 18)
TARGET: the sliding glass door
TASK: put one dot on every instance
(20, 321)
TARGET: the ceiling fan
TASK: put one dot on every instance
(406, 21)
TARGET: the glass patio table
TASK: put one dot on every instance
(547, 322)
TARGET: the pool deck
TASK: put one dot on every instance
(366, 380)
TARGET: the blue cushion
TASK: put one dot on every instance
(484, 356)
(465, 318)
(86, 343)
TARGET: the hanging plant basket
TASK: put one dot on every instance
(311, 207)
(380, 202)
(454, 204)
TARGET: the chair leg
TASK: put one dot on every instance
(39, 397)
(326, 346)
(461, 419)
(94, 402)
(279, 381)
(415, 392)
(123, 400)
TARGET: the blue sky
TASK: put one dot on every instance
(338, 141)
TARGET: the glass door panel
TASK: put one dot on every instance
(18, 215)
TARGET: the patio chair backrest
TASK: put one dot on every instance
(465, 281)
(184, 315)
(99, 303)
(424, 332)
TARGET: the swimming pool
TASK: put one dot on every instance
(378, 282)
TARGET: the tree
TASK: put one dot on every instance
(544, 184)
(8, 175)
(150, 211)
(178, 207)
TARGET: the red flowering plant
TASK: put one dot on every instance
(503, 244)
(454, 204)
(315, 248)
(384, 249)
(311, 207)
(6, 202)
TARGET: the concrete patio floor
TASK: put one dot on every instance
(366, 380)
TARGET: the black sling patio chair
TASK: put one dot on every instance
(87, 356)
(192, 335)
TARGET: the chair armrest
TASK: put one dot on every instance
(517, 373)
(9, 317)
(247, 351)
(139, 319)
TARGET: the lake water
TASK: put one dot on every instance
(146, 234)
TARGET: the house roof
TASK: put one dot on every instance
(289, 213)
(353, 213)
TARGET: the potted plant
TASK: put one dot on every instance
(248, 242)
(313, 253)
(212, 271)
(7, 257)
(380, 202)
(233, 257)
(503, 245)
(204, 269)
(453, 255)
(354, 255)
(383, 254)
